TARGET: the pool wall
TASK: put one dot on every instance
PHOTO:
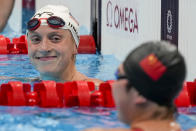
(127, 23)
(24, 9)
(81, 9)
(187, 26)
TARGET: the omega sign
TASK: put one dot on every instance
(121, 18)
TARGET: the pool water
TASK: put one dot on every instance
(96, 66)
(66, 119)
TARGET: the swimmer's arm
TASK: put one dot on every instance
(111, 129)
(6, 7)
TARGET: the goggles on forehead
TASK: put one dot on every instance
(53, 21)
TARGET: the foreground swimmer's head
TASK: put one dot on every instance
(53, 40)
(148, 82)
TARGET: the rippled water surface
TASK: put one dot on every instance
(69, 119)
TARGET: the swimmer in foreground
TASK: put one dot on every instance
(6, 7)
(52, 35)
(193, 129)
(147, 83)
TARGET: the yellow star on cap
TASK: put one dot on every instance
(152, 59)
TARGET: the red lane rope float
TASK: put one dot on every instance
(76, 93)
(19, 45)
(4, 44)
(187, 97)
(87, 45)
(52, 94)
(105, 89)
(49, 94)
(14, 93)
(191, 88)
(183, 99)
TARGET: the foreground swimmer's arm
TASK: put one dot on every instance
(111, 129)
(6, 7)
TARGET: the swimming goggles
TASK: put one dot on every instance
(53, 21)
(119, 77)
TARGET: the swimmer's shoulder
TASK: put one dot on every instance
(120, 129)
(83, 77)
(193, 129)
(111, 129)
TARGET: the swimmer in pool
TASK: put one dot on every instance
(147, 83)
(52, 35)
(6, 8)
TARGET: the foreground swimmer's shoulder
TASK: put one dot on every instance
(111, 129)
(193, 129)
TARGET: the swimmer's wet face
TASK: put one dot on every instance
(53, 39)
(51, 50)
(124, 99)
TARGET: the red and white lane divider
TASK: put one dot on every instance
(76, 93)
(52, 94)
(187, 97)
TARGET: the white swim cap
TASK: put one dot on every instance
(62, 12)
